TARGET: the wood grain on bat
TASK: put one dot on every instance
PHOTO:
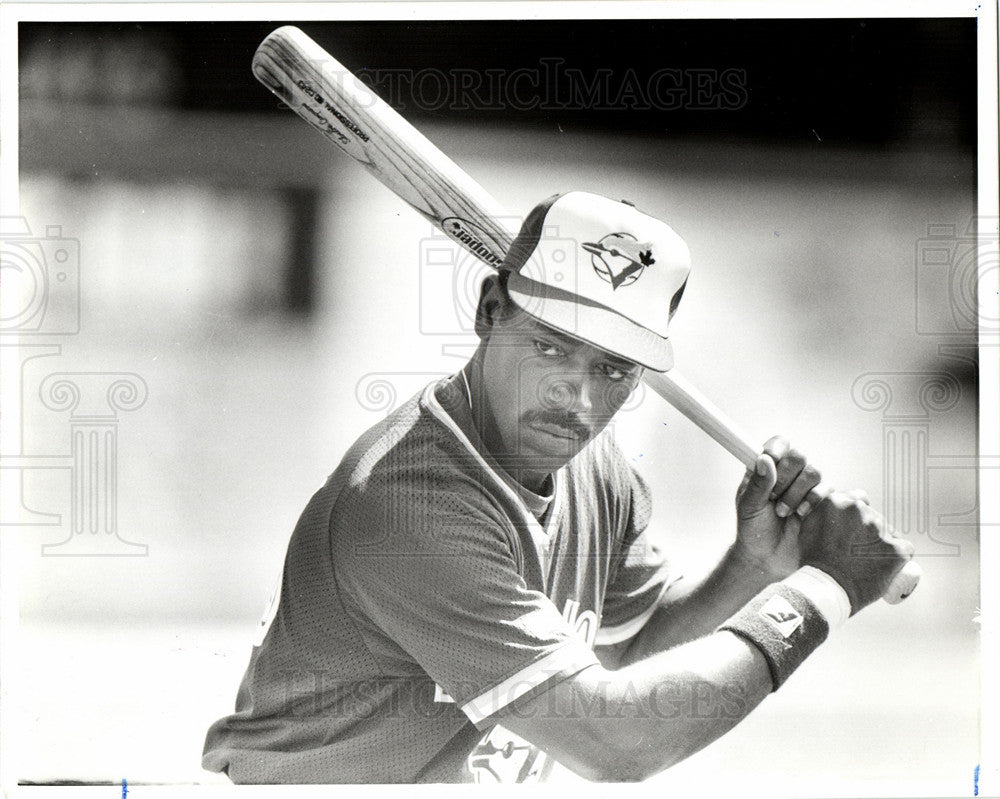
(331, 99)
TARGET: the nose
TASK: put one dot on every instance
(573, 393)
(585, 393)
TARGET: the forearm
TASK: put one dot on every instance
(688, 613)
(631, 723)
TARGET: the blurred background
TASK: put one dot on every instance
(222, 303)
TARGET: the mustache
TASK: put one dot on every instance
(565, 419)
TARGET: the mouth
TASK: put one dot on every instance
(557, 431)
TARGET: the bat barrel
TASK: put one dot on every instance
(328, 96)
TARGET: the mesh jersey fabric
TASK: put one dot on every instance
(420, 596)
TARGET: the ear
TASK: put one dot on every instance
(491, 303)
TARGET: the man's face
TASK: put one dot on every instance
(549, 394)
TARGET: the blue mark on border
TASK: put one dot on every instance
(124, 788)
(975, 781)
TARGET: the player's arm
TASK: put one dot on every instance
(690, 610)
(628, 724)
(633, 722)
(765, 551)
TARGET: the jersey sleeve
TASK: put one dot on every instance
(435, 568)
(640, 573)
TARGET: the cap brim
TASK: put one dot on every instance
(592, 323)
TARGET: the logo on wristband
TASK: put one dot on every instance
(781, 615)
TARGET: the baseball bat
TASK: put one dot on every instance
(343, 109)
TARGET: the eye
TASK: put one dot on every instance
(615, 373)
(547, 349)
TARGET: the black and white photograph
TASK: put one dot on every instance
(406, 394)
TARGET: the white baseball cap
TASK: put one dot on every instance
(601, 271)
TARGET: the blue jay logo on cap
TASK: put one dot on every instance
(620, 258)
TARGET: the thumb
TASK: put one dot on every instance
(757, 494)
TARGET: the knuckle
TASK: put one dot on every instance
(771, 445)
(794, 456)
(811, 473)
(776, 447)
(827, 505)
(877, 519)
(840, 501)
(904, 549)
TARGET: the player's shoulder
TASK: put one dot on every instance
(410, 485)
(410, 449)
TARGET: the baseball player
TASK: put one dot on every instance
(475, 593)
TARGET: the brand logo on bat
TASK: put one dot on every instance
(322, 124)
(780, 614)
(620, 258)
(472, 238)
(349, 144)
(323, 103)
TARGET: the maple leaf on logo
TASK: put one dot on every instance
(646, 258)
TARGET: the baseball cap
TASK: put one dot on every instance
(601, 271)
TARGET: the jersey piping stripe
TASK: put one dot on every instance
(550, 520)
(567, 660)
(435, 407)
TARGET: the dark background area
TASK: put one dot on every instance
(849, 82)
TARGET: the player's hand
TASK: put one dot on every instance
(767, 526)
(850, 541)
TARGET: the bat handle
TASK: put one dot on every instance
(680, 393)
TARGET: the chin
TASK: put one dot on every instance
(543, 464)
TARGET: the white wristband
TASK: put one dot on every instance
(824, 592)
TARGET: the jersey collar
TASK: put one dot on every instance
(447, 402)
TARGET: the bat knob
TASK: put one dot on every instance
(903, 584)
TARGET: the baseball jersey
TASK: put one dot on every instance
(424, 592)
